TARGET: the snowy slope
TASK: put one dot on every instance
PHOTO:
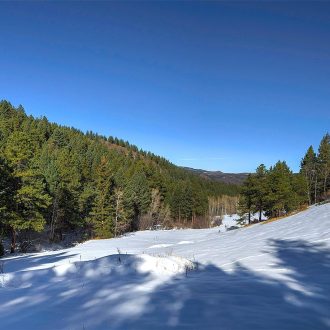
(267, 276)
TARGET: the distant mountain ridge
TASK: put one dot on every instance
(231, 178)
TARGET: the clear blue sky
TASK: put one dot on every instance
(213, 85)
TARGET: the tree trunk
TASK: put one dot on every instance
(325, 187)
(309, 186)
(116, 218)
(13, 241)
(54, 219)
(260, 213)
(315, 192)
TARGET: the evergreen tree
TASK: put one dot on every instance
(281, 197)
(31, 201)
(259, 180)
(247, 198)
(181, 202)
(102, 213)
(121, 216)
(300, 186)
(31, 198)
(323, 159)
(64, 215)
(308, 169)
(8, 185)
(138, 195)
(19, 151)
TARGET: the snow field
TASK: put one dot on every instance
(266, 276)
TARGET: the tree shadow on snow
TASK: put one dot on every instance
(242, 299)
(110, 294)
(23, 262)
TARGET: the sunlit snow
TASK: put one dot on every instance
(266, 276)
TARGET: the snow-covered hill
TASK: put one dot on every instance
(267, 276)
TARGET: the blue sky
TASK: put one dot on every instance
(214, 85)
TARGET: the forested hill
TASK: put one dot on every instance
(231, 178)
(56, 179)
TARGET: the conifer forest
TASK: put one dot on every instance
(58, 181)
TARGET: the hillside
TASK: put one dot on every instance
(266, 276)
(218, 176)
(58, 180)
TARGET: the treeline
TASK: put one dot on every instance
(277, 191)
(55, 180)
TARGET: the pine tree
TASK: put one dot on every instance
(64, 215)
(31, 201)
(31, 198)
(323, 159)
(19, 151)
(7, 190)
(138, 197)
(308, 169)
(102, 214)
(182, 202)
(260, 190)
(30, 204)
(85, 202)
(120, 219)
(8, 185)
(281, 198)
(300, 186)
(247, 198)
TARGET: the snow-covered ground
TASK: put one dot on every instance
(230, 221)
(266, 276)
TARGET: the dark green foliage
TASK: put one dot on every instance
(8, 185)
(7, 190)
(56, 179)
(31, 201)
(276, 191)
(30, 198)
(181, 202)
(300, 185)
(316, 170)
(2, 249)
(280, 198)
(64, 212)
(102, 211)
(323, 164)
(261, 189)
(279, 191)
(248, 196)
(309, 170)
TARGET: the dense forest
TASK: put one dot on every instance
(56, 181)
(277, 191)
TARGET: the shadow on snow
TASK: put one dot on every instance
(108, 294)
